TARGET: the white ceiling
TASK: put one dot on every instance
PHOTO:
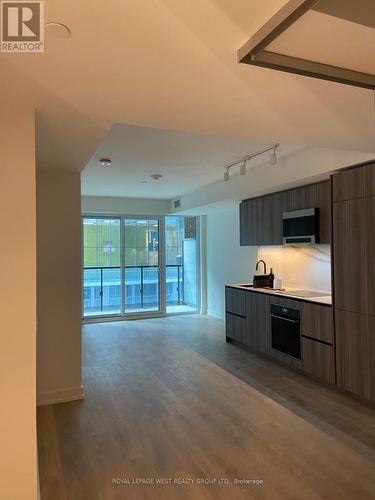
(186, 161)
(172, 65)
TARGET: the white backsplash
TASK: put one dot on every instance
(305, 267)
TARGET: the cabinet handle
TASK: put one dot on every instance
(285, 319)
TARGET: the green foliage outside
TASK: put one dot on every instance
(101, 242)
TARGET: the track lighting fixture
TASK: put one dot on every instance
(243, 161)
(273, 157)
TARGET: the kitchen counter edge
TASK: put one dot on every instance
(312, 300)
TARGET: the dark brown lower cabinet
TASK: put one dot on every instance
(355, 353)
(235, 327)
(248, 321)
(235, 301)
(318, 359)
(258, 322)
(317, 322)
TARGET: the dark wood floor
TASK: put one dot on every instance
(168, 398)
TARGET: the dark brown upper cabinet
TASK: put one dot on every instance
(261, 218)
(354, 183)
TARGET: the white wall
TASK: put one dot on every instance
(18, 458)
(59, 286)
(112, 205)
(226, 261)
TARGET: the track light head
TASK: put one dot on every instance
(273, 157)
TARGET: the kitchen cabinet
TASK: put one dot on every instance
(355, 348)
(248, 321)
(354, 254)
(235, 301)
(235, 314)
(258, 322)
(235, 327)
(317, 322)
(261, 218)
(354, 183)
(354, 278)
(317, 339)
(318, 359)
(317, 335)
(260, 221)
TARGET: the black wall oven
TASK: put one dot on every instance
(285, 328)
(301, 226)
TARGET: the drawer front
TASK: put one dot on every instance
(317, 322)
(355, 352)
(318, 359)
(235, 327)
(235, 301)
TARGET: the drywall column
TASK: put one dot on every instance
(18, 458)
(59, 287)
(226, 261)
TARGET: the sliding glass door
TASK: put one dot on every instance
(139, 266)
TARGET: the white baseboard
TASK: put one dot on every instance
(61, 396)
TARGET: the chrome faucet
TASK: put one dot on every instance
(264, 264)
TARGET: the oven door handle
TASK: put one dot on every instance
(285, 319)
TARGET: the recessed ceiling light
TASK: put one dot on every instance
(156, 177)
(58, 30)
(105, 162)
(143, 182)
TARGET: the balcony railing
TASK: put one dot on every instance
(102, 288)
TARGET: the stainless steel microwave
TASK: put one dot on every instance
(301, 226)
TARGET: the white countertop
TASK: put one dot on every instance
(325, 298)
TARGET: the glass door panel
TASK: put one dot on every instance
(101, 261)
(133, 297)
(111, 289)
(141, 265)
(182, 264)
(91, 292)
